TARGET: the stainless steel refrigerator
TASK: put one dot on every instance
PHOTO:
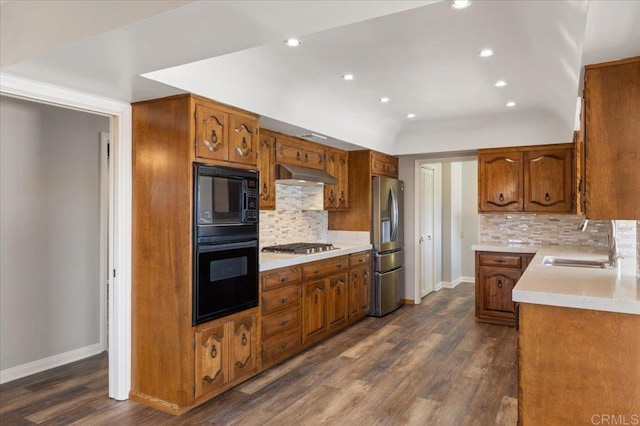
(387, 240)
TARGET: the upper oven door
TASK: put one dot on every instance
(221, 200)
(226, 279)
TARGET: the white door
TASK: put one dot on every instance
(427, 214)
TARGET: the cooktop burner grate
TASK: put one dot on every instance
(299, 248)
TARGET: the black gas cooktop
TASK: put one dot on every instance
(299, 248)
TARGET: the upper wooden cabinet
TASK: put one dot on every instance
(336, 196)
(611, 134)
(527, 179)
(224, 134)
(267, 167)
(384, 165)
(298, 152)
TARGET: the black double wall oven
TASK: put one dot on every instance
(225, 252)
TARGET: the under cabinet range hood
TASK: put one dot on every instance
(301, 176)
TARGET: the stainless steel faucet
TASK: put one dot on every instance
(583, 226)
(613, 246)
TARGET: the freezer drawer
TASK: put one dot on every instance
(388, 261)
(387, 290)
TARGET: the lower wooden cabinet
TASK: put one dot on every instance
(337, 301)
(225, 352)
(314, 310)
(496, 275)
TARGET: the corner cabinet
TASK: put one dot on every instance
(534, 179)
(496, 275)
(611, 134)
(267, 168)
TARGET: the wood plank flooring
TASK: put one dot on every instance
(429, 364)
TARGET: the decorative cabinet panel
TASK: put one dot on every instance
(211, 362)
(336, 196)
(266, 165)
(384, 165)
(338, 301)
(496, 275)
(221, 134)
(359, 288)
(244, 347)
(500, 181)
(611, 134)
(314, 309)
(298, 152)
(211, 133)
(528, 179)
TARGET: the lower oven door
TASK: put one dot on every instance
(225, 279)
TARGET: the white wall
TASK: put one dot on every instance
(445, 241)
(456, 221)
(470, 216)
(49, 254)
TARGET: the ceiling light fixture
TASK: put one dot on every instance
(485, 53)
(292, 42)
(411, 115)
(511, 104)
(500, 83)
(348, 77)
(384, 100)
(460, 4)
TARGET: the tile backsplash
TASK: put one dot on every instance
(298, 217)
(555, 230)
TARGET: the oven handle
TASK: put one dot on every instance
(208, 248)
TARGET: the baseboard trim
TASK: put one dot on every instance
(408, 302)
(439, 286)
(24, 370)
(454, 283)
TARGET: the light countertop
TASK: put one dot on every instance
(269, 261)
(507, 248)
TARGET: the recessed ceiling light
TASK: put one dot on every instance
(348, 77)
(292, 42)
(511, 104)
(485, 53)
(384, 100)
(460, 4)
(500, 83)
(411, 115)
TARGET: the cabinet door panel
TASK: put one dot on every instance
(211, 133)
(500, 179)
(244, 347)
(266, 164)
(211, 370)
(242, 138)
(338, 300)
(497, 285)
(547, 180)
(314, 311)
(355, 289)
(365, 295)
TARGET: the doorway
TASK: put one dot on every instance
(427, 231)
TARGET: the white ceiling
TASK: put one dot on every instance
(421, 54)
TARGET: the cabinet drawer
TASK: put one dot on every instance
(277, 323)
(501, 259)
(273, 301)
(325, 267)
(281, 278)
(279, 346)
(359, 259)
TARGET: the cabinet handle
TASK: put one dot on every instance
(306, 157)
(338, 291)
(244, 142)
(283, 323)
(244, 339)
(339, 265)
(499, 283)
(315, 298)
(331, 196)
(284, 345)
(214, 136)
(283, 279)
(284, 300)
(501, 197)
(315, 271)
(366, 274)
(355, 275)
(214, 351)
(265, 193)
(342, 197)
(298, 156)
(547, 197)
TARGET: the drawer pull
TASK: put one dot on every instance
(284, 300)
(315, 271)
(339, 265)
(283, 279)
(500, 261)
(284, 346)
(315, 299)
(499, 283)
(338, 291)
(283, 323)
(298, 156)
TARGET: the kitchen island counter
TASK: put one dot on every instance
(269, 261)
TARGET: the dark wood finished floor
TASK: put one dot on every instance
(429, 364)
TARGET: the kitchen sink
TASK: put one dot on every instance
(576, 263)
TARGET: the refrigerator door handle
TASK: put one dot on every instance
(393, 201)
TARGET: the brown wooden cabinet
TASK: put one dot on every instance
(384, 165)
(496, 275)
(299, 152)
(359, 284)
(314, 310)
(527, 179)
(611, 133)
(337, 301)
(225, 353)
(223, 134)
(336, 196)
(267, 168)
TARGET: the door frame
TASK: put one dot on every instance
(120, 176)
(421, 245)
